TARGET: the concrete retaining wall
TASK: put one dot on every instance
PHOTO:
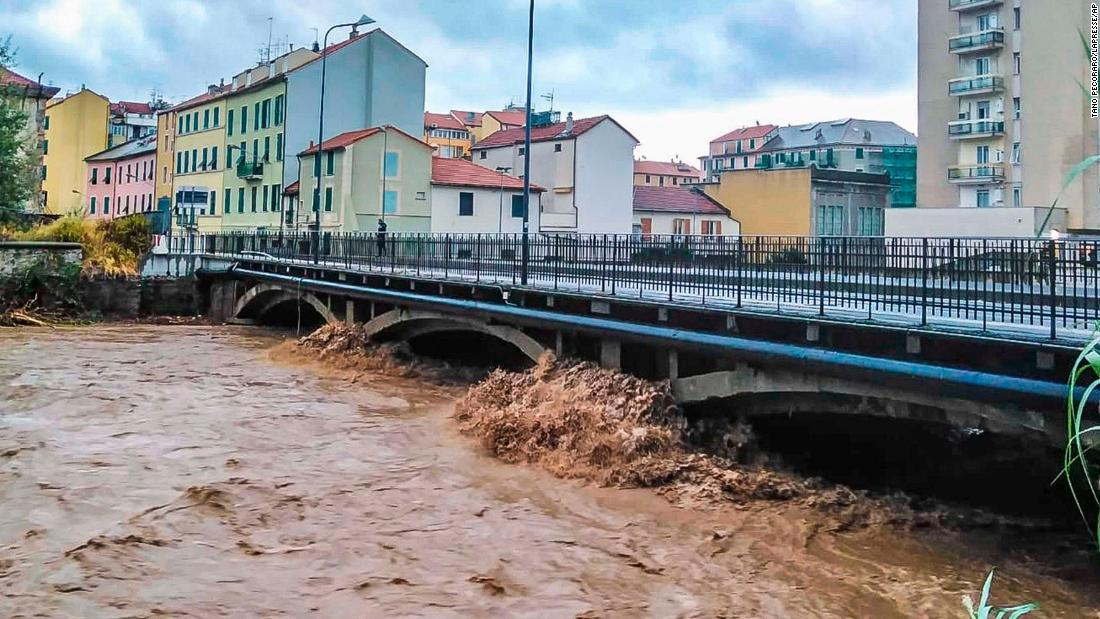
(159, 296)
(16, 256)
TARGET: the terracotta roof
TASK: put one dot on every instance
(130, 107)
(556, 131)
(350, 137)
(666, 168)
(516, 118)
(11, 78)
(462, 173)
(291, 189)
(675, 200)
(462, 116)
(443, 121)
(746, 133)
(199, 100)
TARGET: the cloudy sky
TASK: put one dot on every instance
(677, 74)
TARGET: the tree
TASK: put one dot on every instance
(17, 157)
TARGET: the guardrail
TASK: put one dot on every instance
(975, 282)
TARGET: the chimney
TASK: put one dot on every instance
(354, 32)
(569, 122)
(212, 89)
(316, 47)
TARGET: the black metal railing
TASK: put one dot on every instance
(969, 283)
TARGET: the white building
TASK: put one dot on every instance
(680, 210)
(468, 198)
(586, 167)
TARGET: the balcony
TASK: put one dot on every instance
(968, 129)
(977, 41)
(975, 85)
(976, 173)
(970, 5)
(250, 170)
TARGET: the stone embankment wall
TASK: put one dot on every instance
(18, 256)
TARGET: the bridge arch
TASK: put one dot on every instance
(407, 324)
(262, 298)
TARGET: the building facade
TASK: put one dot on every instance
(680, 211)
(130, 120)
(77, 128)
(254, 153)
(586, 167)
(31, 98)
(468, 198)
(806, 201)
(372, 80)
(1002, 117)
(447, 135)
(199, 163)
(121, 180)
(664, 173)
(367, 175)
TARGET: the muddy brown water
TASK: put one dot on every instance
(179, 471)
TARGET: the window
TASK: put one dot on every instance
(982, 198)
(194, 158)
(91, 207)
(484, 154)
(1016, 18)
(205, 157)
(681, 226)
(265, 114)
(45, 147)
(744, 162)
(244, 119)
(738, 147)
(392, 167)
(1016, 196)
(217, 112)
(982, 66)
(242, 151)
(983, 154)
(179, 128)
(661, 181)
(1016, 107)
(256, 117)
(983, 110)
(276, 197)
(228, 199)
(647, 180)
(330, 162)
(711, 227)
(389, 202)
(279, 110)
(267, 148)
(1016, 63)
(206, 118)
(557, 148)
(316, 199)
(240, 200)
(95, 176)
(179, 163)
(213, 203)
(752, 143)
(279, 147)
(466, 204)
(328, 199)
(517, 206)
(107, 175)
(255, 196)
(264, 203)
(187, 123)
(126, 208)
(521, 151)
(987, 21)
(214, 158)
(46, 122)
(1016, 152)
(229, 122)
(43, 172)
(106, 205)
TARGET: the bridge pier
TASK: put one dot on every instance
(668, 364)
(611, 354)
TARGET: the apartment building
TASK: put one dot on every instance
(198, 162)
(1002, 119)
(120, 180)
(31, 97)
(76, 128)
(130, 120)
(664, 173)
(448, 136)
(586, 166)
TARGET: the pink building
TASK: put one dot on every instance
(120, 180)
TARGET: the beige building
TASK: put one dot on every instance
(1002, 119)
(664, 173)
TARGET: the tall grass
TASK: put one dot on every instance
(1083, 381)
(984, 610)
(111, 247)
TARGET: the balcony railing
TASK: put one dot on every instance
(967, 5)
(975, 85)
(962, 129)
(250, 170)
(977, 173)
(977, 41)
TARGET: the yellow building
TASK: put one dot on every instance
(803, 201)
(166, 156)
(491, 122)
(199, 163)
(447, 135)
(664, 173)
(76, 127)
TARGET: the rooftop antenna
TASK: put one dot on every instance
(270, 26)
(549, 97)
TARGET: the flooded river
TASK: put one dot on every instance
(179, 471)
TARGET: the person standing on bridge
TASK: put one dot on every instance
(381, 238)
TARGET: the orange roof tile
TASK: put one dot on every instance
(462, 173)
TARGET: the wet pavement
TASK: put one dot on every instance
(180, 471)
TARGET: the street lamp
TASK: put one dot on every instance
(527, 146)
(500, 213)
(362, 21)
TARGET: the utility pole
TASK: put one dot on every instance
(527, 149)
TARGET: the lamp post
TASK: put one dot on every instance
(527, 147)
(500, 212)
(362, 21)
